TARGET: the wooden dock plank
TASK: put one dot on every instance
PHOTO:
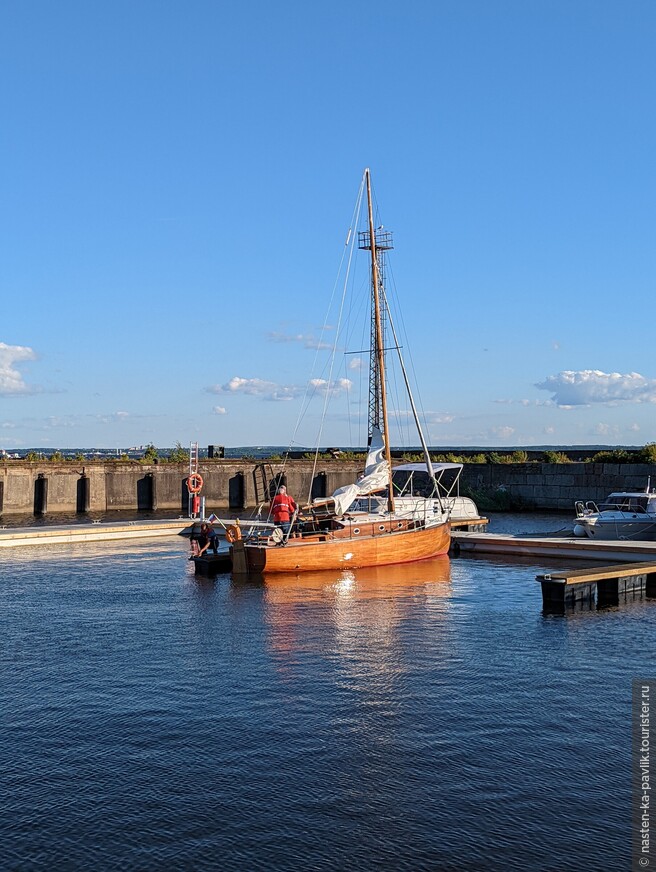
(611, 585)
(470, 524)
(583, 576)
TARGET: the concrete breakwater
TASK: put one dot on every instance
(43, 487)
(119, 486)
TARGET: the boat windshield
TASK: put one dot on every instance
(413, 483)
(624, 503)
(370, 504)
(413, 480)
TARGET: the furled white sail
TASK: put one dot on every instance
(375, 477)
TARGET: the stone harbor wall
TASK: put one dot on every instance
(556, 485)
(100, 487)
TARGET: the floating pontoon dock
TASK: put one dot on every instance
(95, 531)
(554, 545)
(610, 583)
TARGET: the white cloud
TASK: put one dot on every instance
(634, 428)
(256, 387)
(114, 417)
(589, 386)
(253, 386)
(11, 380)
(606, 430)
(220, 410)
(267, 390)
(549, 431)
(323, 386)
(524, 403)
(307, 340)
(439, 418)
(502, 432)
(357, 363)
(428, 417)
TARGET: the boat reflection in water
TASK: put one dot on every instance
(356, 618)
(428, 577)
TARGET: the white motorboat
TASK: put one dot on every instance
(622, 515)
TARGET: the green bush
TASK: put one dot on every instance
(150, 454)
(616, 455)
(352, 455)
(555, 457)
(178, 454)
(647, 453)
(500, 458)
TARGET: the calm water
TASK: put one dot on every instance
(428, 717)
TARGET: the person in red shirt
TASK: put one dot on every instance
(282, 509)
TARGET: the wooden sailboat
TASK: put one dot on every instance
(366, 524)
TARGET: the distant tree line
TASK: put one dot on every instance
(178, 454)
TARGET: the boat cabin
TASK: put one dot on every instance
(627, 502)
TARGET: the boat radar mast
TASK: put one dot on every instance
(377, 384)
(382, 243)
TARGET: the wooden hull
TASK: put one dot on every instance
(298, 555)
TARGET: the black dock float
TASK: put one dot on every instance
(212, 564)
(570, 588)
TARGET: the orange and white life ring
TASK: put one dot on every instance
(233, 533)
(195, 483)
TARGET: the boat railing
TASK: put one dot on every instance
(585, 509)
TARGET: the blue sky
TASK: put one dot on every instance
(177, 181)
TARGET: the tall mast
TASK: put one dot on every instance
(383, 239)
(380, 355)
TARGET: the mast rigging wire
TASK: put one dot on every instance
(348, 249)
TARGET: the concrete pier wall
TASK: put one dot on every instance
(103, 487)
(234, 484)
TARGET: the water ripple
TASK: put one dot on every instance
(412, 718)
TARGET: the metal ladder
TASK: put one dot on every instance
(193, 458)
(265, 482)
